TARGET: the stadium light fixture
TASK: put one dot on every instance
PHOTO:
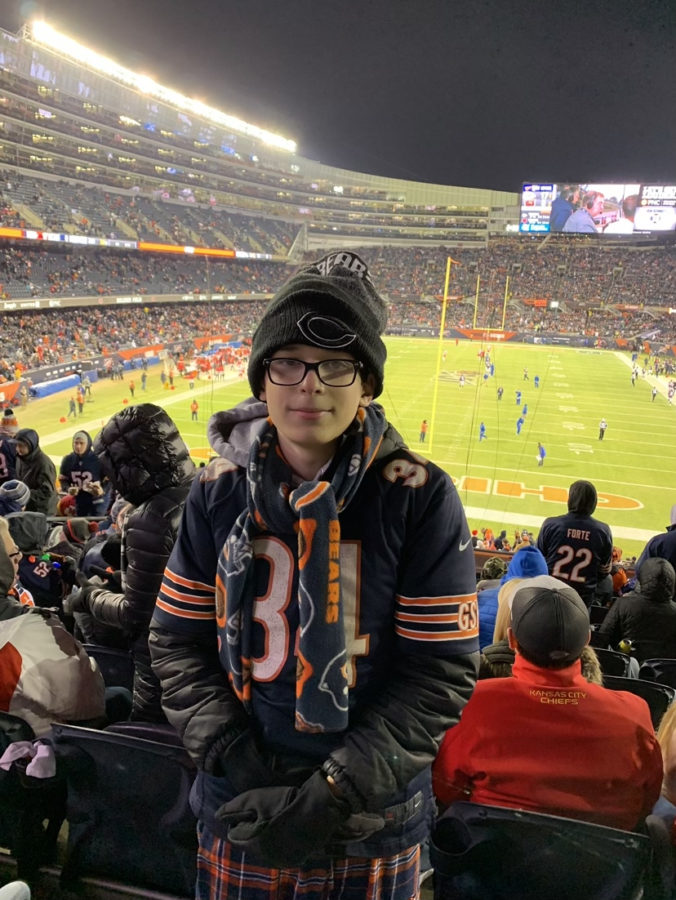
(44, 34)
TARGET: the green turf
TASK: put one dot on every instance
(632, 467)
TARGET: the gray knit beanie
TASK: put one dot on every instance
(331, 304)
(15, 490)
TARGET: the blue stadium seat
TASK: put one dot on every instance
(127, 809)
(492, 853)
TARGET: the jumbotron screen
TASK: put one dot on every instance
(612, 209)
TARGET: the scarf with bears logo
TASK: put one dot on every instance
(312, 511)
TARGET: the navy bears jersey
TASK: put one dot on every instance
(79, 471)
(408, 584)
(578, 550)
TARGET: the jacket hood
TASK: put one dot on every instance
(86, 436)
(29, 530)
(526, 563)
(582, 498)
(232, 432)
(657, 579)
(6, 575)
(142, 453)
(28, 436)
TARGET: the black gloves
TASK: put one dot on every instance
(284, 826)
(78, 601)
(112, 578)
(243, 765)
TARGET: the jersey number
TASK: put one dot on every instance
(583, 558)
(271, 606)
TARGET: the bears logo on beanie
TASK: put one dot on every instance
(331, 304)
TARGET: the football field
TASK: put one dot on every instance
(499, 480)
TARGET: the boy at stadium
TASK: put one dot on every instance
(316, 629)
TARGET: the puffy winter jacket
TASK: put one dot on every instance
(147, 462)
(647, 615)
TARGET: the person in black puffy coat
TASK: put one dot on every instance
(149, 465)
(647, 615)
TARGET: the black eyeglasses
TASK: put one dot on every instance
(331, 372)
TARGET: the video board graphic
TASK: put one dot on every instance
(606, 209)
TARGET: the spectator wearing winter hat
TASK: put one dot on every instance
(317, 503)
(36, 469)
(8, 429)
(8, 422)
(17, 591)
(661, 545)
(70, 538)
(147, 462)
(14, 495)
(491, 573)
(80, 475)
(578, 548)
(66, 506)
(526, 563)
(594, 757)
(497, 659)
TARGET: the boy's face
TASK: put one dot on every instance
(311, 415)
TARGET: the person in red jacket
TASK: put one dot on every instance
(546, 740)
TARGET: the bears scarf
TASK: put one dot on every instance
(310, 510)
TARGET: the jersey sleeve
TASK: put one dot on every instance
(436, 605)
(186, 599)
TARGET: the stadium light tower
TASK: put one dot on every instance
(44, 34)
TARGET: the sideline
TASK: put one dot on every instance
(96, 423)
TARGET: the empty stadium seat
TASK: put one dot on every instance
(658, 696)
(127, 810)
(597, 614)
(661, 670)
(492, 853)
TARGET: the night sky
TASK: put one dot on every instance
(483, 93)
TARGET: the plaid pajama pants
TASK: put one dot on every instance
(223, 873)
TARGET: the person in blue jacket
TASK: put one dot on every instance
(526, 563)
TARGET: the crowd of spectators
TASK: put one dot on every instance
(410, 278)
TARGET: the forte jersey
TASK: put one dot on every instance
(578, 550)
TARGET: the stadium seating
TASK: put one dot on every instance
(597, 614)
(150, 731)
(612, 662)
(117, 666)
(658, 696)
(492, 853)
(127, 810)
(661, 670)
(31, 809)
